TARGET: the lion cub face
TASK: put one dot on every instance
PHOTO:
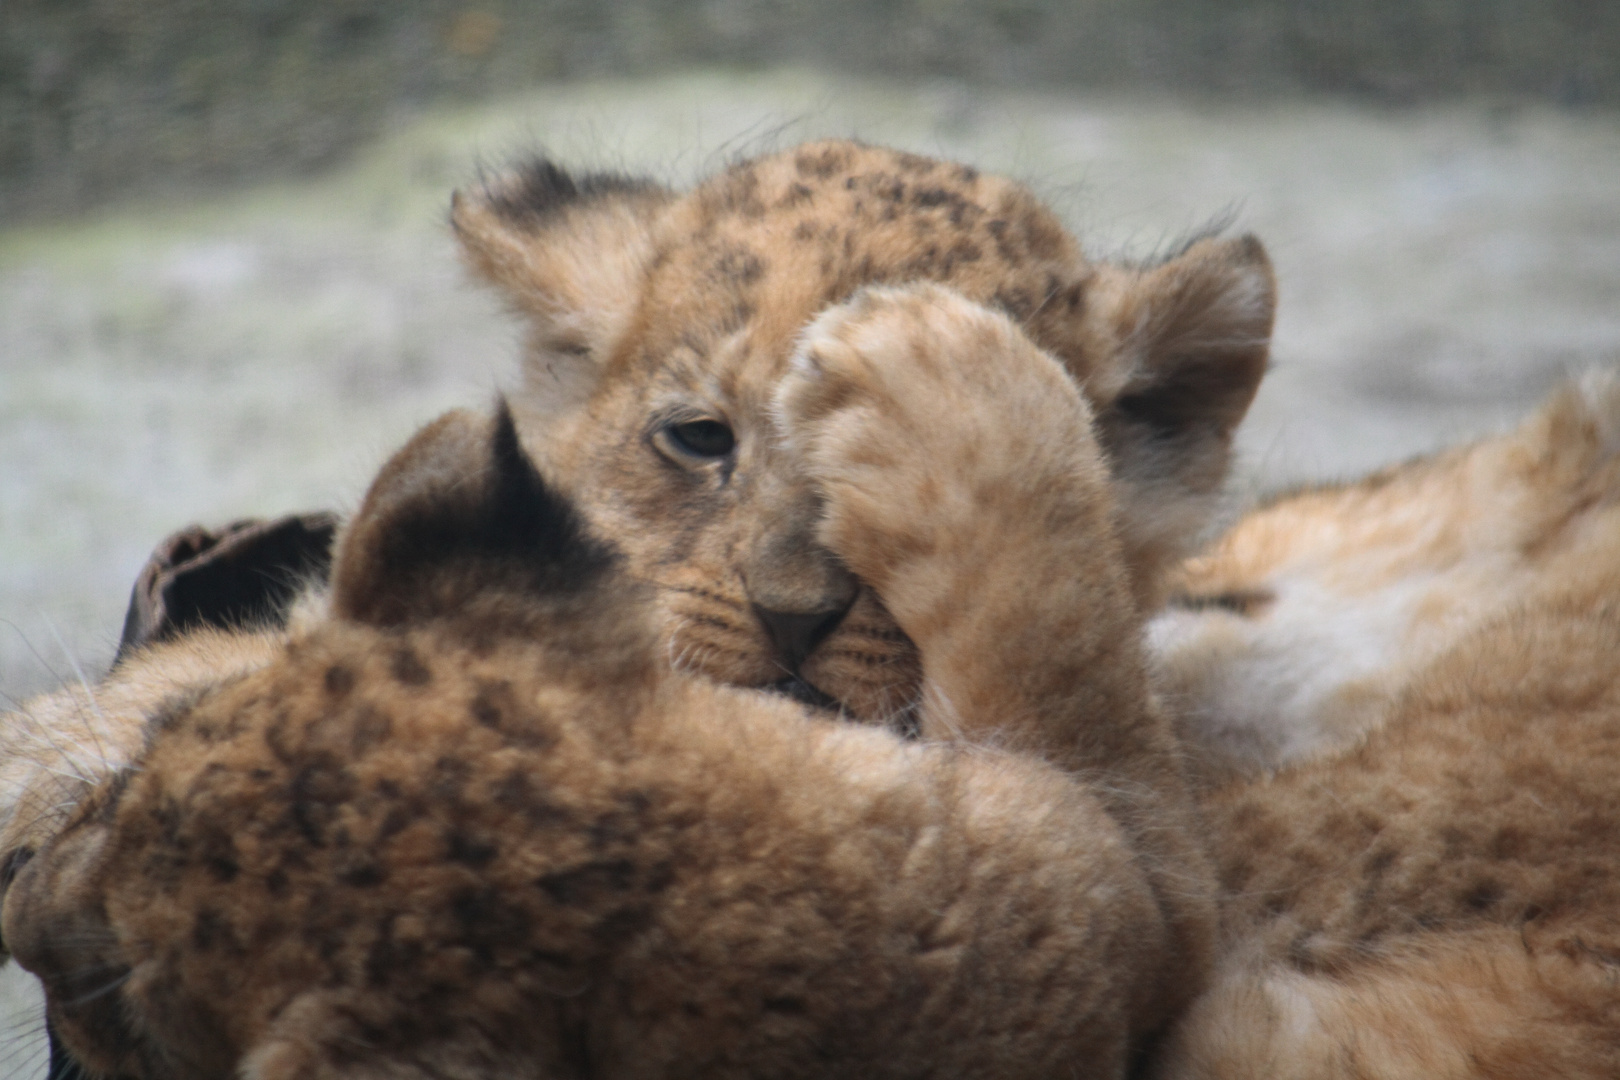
(467, 823)
(662, 322)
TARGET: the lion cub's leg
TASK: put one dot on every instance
(964, 484)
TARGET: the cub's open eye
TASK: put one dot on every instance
(700, 438)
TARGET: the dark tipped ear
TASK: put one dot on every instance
(570, 253)
(536, 192)
(1191, 336)
(242, 575)
(459, 512)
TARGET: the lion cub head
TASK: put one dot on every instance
(662, 322)
(466, 822)
(249, 773)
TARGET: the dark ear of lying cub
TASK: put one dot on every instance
(456, 518)
(242, 575)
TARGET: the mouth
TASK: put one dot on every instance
(806, 694)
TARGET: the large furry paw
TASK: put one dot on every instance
(942, 441)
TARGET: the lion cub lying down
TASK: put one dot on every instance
(860, 427)
(1407, 690)
(476, 816)
(470, 824)
(1429, 893)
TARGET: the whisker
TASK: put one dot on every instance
(94, 722)
(43, 733)
(100, 991)
(56, 676)
(94, 938)
(26, 1056)
(89, 691)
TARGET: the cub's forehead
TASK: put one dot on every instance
(744, 261)
(795, 179)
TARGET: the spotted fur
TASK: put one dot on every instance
(649, 308)
(468, 823)
(829, 413)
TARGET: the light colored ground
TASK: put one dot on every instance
(263, 351)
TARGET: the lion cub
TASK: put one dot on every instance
(861, 427)
(470, 823)
(1408, 690)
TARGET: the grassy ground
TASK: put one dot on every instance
(262, 352)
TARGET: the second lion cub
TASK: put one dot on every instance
(469, 823)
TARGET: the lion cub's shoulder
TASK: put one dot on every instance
(1297, 632)
(1417, 830)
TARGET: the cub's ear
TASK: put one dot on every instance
(1190, 339)
(245, 574)
(570, 253)
(460, 520)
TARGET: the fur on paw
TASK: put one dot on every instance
(933, 427)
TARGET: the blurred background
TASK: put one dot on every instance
(226, 287)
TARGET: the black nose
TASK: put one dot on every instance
(796, 633)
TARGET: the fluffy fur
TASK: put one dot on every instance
(651, 310)
(468, 823)
(832, 410)
(1407, 694)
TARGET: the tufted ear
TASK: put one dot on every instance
(1189, 338)
(569, 252)
(460, 521)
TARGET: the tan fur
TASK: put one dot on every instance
(56, 747)
(1414, 801)
(1294, 633)
(1431, 889)
(933, 398)
(470, 824)
(648, 306)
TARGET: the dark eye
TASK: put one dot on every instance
(702, 438)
